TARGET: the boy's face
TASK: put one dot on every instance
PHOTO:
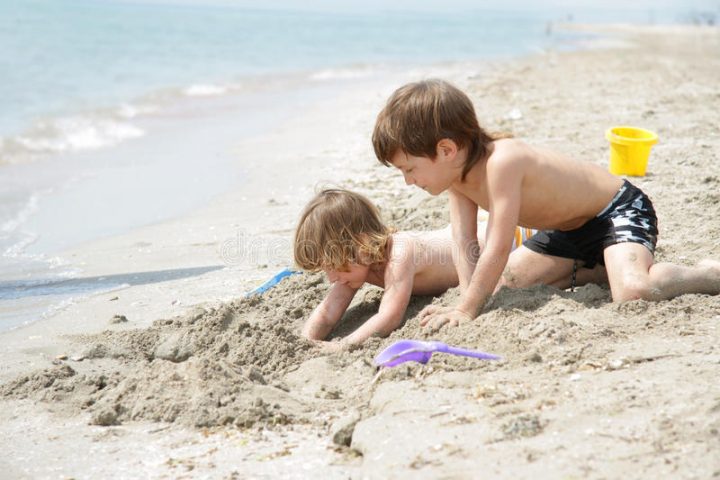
(432, 175)
(353, 275)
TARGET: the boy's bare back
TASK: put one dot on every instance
(554, 190)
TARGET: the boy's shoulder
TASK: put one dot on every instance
(509, 149)
(509, 154)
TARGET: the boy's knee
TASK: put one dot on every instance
(635, 289)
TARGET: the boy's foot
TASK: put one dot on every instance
(713, 269)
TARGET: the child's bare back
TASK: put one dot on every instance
(426, 255)
(557, 192)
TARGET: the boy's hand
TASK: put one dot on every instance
(435, 317)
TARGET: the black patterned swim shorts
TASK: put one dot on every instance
(629, 217)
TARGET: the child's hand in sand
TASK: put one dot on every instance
(435, 317)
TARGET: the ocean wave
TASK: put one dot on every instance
(82, 132)
(105, 127)
(77, 133)
(129, 110)
(342, 73)
(110, 125)
(17, 249)
(205, 90)
(21, 215)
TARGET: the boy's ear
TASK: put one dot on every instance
(446, 149)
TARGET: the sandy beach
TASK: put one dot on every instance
(179, 375)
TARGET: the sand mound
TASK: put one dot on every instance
(214, 367)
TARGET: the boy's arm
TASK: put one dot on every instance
(504, 180)
(463, 222)
(326, 315)
(399, 278)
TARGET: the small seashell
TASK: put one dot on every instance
(616, 364)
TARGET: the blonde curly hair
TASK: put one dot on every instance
(339, 227)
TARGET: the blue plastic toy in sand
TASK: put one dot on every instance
(272, 282)
(418, 351)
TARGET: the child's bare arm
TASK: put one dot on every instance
(505, 193)
(399, 277)
(463, 221)
(326, 315)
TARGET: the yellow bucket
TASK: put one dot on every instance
(630, 150)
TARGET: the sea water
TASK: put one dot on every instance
(84, 82)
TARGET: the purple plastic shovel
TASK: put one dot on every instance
(419, 351)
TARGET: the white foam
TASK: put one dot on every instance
(58, 307)
(16, 250)
(205, 90)
(129, 111)
(77, 133)
(341, 74)
(22, 215)
(60, 262)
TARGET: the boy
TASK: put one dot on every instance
(428, 130)
(341, 233)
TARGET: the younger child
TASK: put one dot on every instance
(341, 233)
(428, 130)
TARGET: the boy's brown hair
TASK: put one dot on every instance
(420, 114)
(339, 227)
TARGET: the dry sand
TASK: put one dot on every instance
(587, 388)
